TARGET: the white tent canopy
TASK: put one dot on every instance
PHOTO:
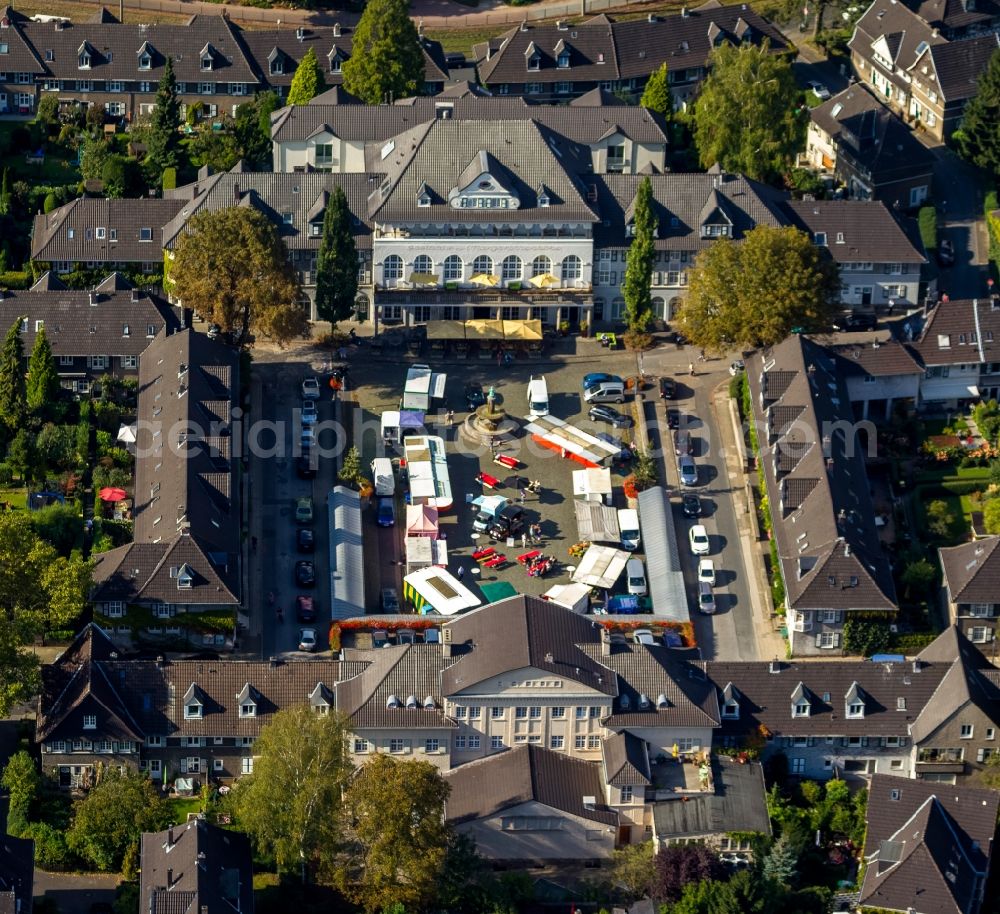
(422, 551)
(596, 523)
(421, 521)
(436, 589)
(592, 484)
(572, 596)
(347, 563)
(127, 434)
(601, 566)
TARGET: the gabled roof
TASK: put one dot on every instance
(972, 570)
(955, 14)
(892, 27)
(17, 872)
(959, 64)
(927, 846)
(626, 761)
(872, 354)
(968, 681)
(21, 56)
(522, 632)
(961, 331)
(527, 773)
(856, 230)
(196, 868)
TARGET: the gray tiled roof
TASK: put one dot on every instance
(114, 50)
(829, 549)
(603, 50)
(927, 845)
(676, 692)
(519, 632)
(20, 56)
(196, 867)
(626, 761)
(872, 354)
(70, 232)
(765, 697)
(904, 32)
(738, 804)
(961, 331)
(679, 201)
(959, 64)
(972, 570)
(75, 327)
(954, 14)
(488, 786)
(869, 230)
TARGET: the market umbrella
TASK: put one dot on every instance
(423, 279)
(544, 281)
(523, 331)
(484, 279)
(108, 493)
(127, 433)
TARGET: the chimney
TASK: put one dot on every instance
(917, 666)
(652, 18)
(170, 840)
(170, 877)
(774, 666)
(420, 28)
(524, 25)
(684, 12)
(273, 662)
(336, 30)
(92, 298)
(121, 10)
(847, 549)
(605, 643)
(300, 33)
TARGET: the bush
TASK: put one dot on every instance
(927, 223)
(50, 203)
(866, 636)
(169, 178)
(777, 583)
(910, 643)
(15, 279)
(6, 474)
(51, 850)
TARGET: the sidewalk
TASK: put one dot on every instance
(769, 642)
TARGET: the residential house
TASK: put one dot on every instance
(927, 850)
(882, 375)
(970, 590)
(869, 150)
(724, 818)
(20, 65)
(17, 874)
(830, 557)
(957, 349)
(276, 54)
(561, 61)
(196, 868)
(958, 18)
(531, 805)
(92, 333)
(920, 74)
(955, 733)
(879, 257)
(185, 553)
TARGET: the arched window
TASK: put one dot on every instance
(482, 264)
(571, 268)
(452, 268)
(392, 268)
(659, 308)
(512, 268)
(675, 304)
(361, 308)
(540, 265)
(423, 264)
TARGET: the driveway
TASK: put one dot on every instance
(74, 893)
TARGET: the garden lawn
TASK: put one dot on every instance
(16, 498)
(57, 169)
(181, 806)
(960, 521)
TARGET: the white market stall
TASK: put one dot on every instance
(601, 566)
(437, 590)
(596, 523)
(571, 596)
(592, 484)
(422, 551)
(421, 521)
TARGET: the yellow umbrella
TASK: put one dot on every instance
(424, 279)
(544, 280)
(484, 279)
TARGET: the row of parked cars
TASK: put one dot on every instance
(305, 537)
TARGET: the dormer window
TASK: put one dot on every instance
(207, 57)
(731, 710)
(800, 708)
(562, 61)
(83, 60)
(424, 199)
(145, 62)
(335, 64)
(840, 237)
(194, 707)
(248, 706)
(856, 709)
(819, 238)
(534, 62)
(543, 199)
(277, 66)
(185, 579)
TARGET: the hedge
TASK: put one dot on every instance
(16, 279)
(993, 226)
(927, 223)
(910, 643)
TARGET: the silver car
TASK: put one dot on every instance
(688, 471)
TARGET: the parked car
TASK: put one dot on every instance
(474, 396)
(673, 418)
(305, 573)
(390, 600)
(706, 599)
(683, 443)
(945, 253)
(610, 414)
(214, 331)
(305, 540)
(508, 521)
(305, 608)
(688, 471)
(307, 640)
(385, 513)
(304, 466)
(706, 572)
(310, 389)
(309, 412)
(691, 506)
(736, 367)
(600, 377)
(698, 540)
(307, 439)
(624, 453)
(303, 511)
(856, 323)
(643, 636)
(635, 576)
(668, 389)
(819, 90)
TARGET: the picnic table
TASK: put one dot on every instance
(488, 481)
(506, 460)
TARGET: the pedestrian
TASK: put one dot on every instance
(460, 573)
(524, 540)
(499, 359)
(701, 355)
(892, 306)
(451, 417)
(691, 369)
(520, 496)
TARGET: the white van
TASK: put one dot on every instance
(635, 574)
(605, 392)
(383, 477)
(628, 526)
(538, 397)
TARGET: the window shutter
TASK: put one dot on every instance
(818, 640)
(864, 740)
(836, 639)
(902, 742)
(844, 741)
(184, 765)
(812, 740)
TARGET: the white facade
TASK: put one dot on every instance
(873, 285)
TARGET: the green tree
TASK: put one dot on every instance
(5, 194)
(865, 636)
(291, 804)
(162, 139)
(632, 869)
(121, 177)
(639, 269)
(308, 80)
(112, 816)
(55, 446)
(754, 293)
(657, 95)
(991, 515)
(94, 155)
(781, 862)
(252, 128)
(940, 519)
(42, 387)
(256, 292)
(219, 150)
(398, 839)
(350, 468)
(48, 110)
(387, 61)
(13, 391)
(61, 526)
(22, 782)
(747, 115)
(978, 137)
(22, 457)
(337, 263)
